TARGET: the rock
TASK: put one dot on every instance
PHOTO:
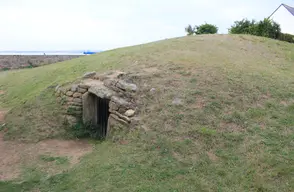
(109, 83)
(101, 91)
(58, 99)
(152, 90)
(83, 86)
(89, 74)
(113, 106)
(57, 88)
(121, 116)
(130, 113)
(69, 93)
(121, 101)
(177, 101)
(69, 99)
(67, 88)
(126, 86)
(57, 94)
(122, 109)
(74, 88)
(75, 104)
(117, 119)
(74, 108)
(77, 100)
(77, 95)
(81, 90)
(71, 119)
(62, 90)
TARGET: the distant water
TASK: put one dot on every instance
(43, 52)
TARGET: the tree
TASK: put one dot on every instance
(189, 30)
(205, 29)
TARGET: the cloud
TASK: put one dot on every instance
(99, 24)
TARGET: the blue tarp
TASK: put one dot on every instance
(89, 52)
(290, 9)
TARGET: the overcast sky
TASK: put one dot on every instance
(106, 24)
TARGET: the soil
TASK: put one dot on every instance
(14, 155)
(2, 115)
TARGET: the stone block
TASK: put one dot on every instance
(89, 108)
(130, 113)
(89, 74)
(121, 102)
(74, 104)
(113, 106)
(77, 95)
(122, 117)
(58, 99)
(101, 91)
(77, 100)
(83, 86)
(69, 93)
(74, 88)
(126, 86)
(82, 90)
(71, 120)
(122, 109)
(69, 99)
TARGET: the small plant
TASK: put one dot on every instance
(189, 30)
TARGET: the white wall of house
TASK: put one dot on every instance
(285, 19)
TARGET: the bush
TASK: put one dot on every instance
(243, 27)
(202, 29)
(206, 29)
(265, 28)
(286, 37)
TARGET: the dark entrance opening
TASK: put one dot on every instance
(102, 116)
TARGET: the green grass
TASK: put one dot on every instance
(233, 132)
(57, 160)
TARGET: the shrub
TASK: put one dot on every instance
(265, 28)
(206, 29)
(189, 30)
(286, 37)
(201, 29)
(243, 27)
(268, 28)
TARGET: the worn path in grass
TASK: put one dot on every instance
(18, 155)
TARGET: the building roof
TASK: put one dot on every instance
(290, 9)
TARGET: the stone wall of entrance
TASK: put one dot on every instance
(77, 99)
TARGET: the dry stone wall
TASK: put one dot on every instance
(78, 99)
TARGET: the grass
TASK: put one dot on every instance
(57, 160)
(233, 131)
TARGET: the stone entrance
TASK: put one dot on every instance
(106, 101)
(96, 112)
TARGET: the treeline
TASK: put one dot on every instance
(265, 28)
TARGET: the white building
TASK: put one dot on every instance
(284, 15)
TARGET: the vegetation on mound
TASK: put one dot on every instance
(231, 130)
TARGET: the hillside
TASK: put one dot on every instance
(25, 61)
(220, 117)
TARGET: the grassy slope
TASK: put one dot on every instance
(233, 132)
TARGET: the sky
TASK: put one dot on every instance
(36, 25)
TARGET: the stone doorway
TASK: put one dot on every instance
(96, 112)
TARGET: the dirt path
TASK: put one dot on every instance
(14, 155)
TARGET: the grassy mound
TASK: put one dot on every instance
(232, 128)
